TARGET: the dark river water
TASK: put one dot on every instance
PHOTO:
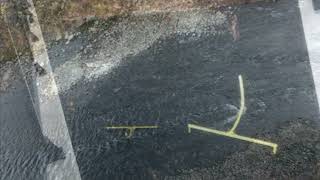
(171, 84)
(24, 151)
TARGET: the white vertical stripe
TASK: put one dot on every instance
(311, 26)
(51, 114)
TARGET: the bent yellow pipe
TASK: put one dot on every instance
(231, 133)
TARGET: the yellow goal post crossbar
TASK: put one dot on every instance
(131, 128)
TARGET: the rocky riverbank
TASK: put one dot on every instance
(59, 18)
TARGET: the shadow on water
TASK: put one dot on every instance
(178, 81)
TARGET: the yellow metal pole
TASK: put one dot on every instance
(131, 128)
(231, 133)
(242, 105)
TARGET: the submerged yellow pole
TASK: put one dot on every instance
(231, 133)
(242, 105)
(131, 128)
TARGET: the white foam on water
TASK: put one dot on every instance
(131, 36)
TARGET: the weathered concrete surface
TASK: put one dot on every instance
(48, 105)
(311, 18)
